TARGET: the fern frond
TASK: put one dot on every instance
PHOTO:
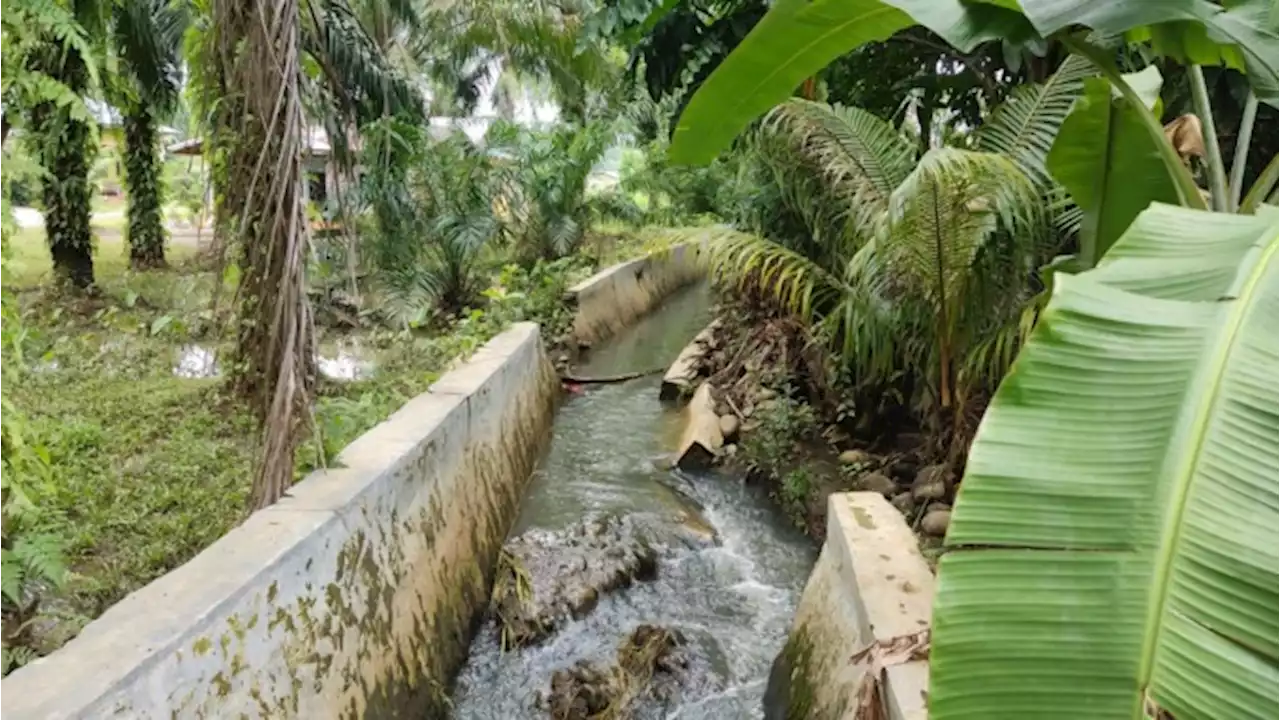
(41, 557)
(1024, 126)
(11, 576)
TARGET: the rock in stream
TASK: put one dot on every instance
(648, 670)
(545, 578)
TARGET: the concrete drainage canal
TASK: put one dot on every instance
(626, 586)
(453, 562)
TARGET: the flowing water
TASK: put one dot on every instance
(733, 601)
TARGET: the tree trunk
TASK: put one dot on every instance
(145, 232)
(275, 359)
(66, 151)
(924, 116)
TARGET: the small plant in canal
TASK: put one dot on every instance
(781, 422)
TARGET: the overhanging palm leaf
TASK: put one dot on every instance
(356, 72)
(798, 283)
(860, 157)
(1116, 532)
(148, 38)
(1024, 126)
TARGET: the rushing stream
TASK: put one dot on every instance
(732, 601)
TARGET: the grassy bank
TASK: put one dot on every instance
(147, 467)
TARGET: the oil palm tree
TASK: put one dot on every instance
(932, 267)
(433, 202)
(61, 131)
(262, 63)
(464, 43)
(907, 281)
(147, 37)
(545, 187)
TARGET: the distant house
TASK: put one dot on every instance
(321, 172)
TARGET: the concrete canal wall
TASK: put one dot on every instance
(870, 586)
(616, 296)
(354, 596)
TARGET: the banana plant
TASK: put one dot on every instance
(796, 39)
(1113, 549)
(1113, 163)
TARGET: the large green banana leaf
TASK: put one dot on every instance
(1241, 35)
(1114, 543)
(796, 39)
(1104, 156)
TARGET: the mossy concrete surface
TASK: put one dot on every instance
(616, 296)
(355, 596)
(870, 584)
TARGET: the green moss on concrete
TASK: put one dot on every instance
(790, 692)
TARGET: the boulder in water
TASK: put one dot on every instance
(649, 664)
(546, 578)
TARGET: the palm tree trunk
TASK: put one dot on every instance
(275, 360)
(145, 232)
(66, 151)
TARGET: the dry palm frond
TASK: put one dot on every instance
(1186, 135)
(874, 660)
(274, 351)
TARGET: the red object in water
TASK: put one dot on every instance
(573, 387)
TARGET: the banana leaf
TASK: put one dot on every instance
(1240, 34)
(1113, 550)
(1106, 159)
(796, 39)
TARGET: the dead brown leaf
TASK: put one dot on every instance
(874, 660)
(1186, 136)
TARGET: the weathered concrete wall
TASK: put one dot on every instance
(614, 297)
(355, 596)
(682, 376)
(870, 585)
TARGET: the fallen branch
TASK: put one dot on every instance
(609, 378)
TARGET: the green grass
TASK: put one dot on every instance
(30, 265)
(149, 468)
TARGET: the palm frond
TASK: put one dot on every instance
(944, 213)
(798, 284)
(148, 38)
(861, 157)
(357, 73)
(1024, 126)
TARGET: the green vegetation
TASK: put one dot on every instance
(1156, 390)
(1112, 550)
(933, 220)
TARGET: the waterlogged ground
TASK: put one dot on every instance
(732, 601)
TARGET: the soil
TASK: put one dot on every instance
(881, 450)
